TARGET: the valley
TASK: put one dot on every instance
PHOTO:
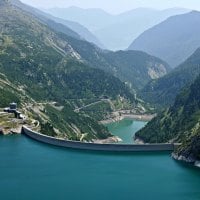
(116, 31)
(93, 101)
(86, 84)
(73, 73)
(172, 40)
(97, 104)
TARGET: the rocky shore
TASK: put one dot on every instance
(140, 117)
(109, 140)
(197, 163)
(139, 141)
(11, 131)
(188, 160)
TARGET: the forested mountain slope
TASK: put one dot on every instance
(45, 68)
(136, 68)
(162, 92)
(145, 66)
(179, 123)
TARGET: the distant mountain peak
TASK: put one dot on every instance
(76, 8)
(173, 40)
(195, 12)
(116, 31)
(177, 8)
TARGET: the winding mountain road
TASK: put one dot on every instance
(94, 103)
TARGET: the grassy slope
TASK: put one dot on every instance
(46, 68)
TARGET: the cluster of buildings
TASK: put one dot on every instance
(13, 109)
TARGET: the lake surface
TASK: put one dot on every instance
(126, 129)
(30, 170)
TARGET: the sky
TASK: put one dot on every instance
(115, 6)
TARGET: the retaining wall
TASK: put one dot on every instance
(96, 147)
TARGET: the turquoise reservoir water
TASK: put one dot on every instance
(126, 129)
(30, 170)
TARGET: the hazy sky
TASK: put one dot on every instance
(116, 6)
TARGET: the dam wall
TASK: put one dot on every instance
(96, 147)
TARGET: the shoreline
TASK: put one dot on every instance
(145, 118)
(138, 141)
(110, 140)
(12, 131)
(180, 158)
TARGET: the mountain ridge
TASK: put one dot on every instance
(173, 40)
(97, 58)
(70, 28)
(162, 92)
(124, 70)
(116, 31)
(46, 69)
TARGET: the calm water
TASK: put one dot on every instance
(34, 171)
(126, 129)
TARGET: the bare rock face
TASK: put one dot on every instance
(156, 70)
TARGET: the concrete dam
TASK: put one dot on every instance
(96, 147)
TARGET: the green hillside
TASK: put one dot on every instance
(179, 123)
(38, 65)
(134, 67)
(163, 91)
(125, 65)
